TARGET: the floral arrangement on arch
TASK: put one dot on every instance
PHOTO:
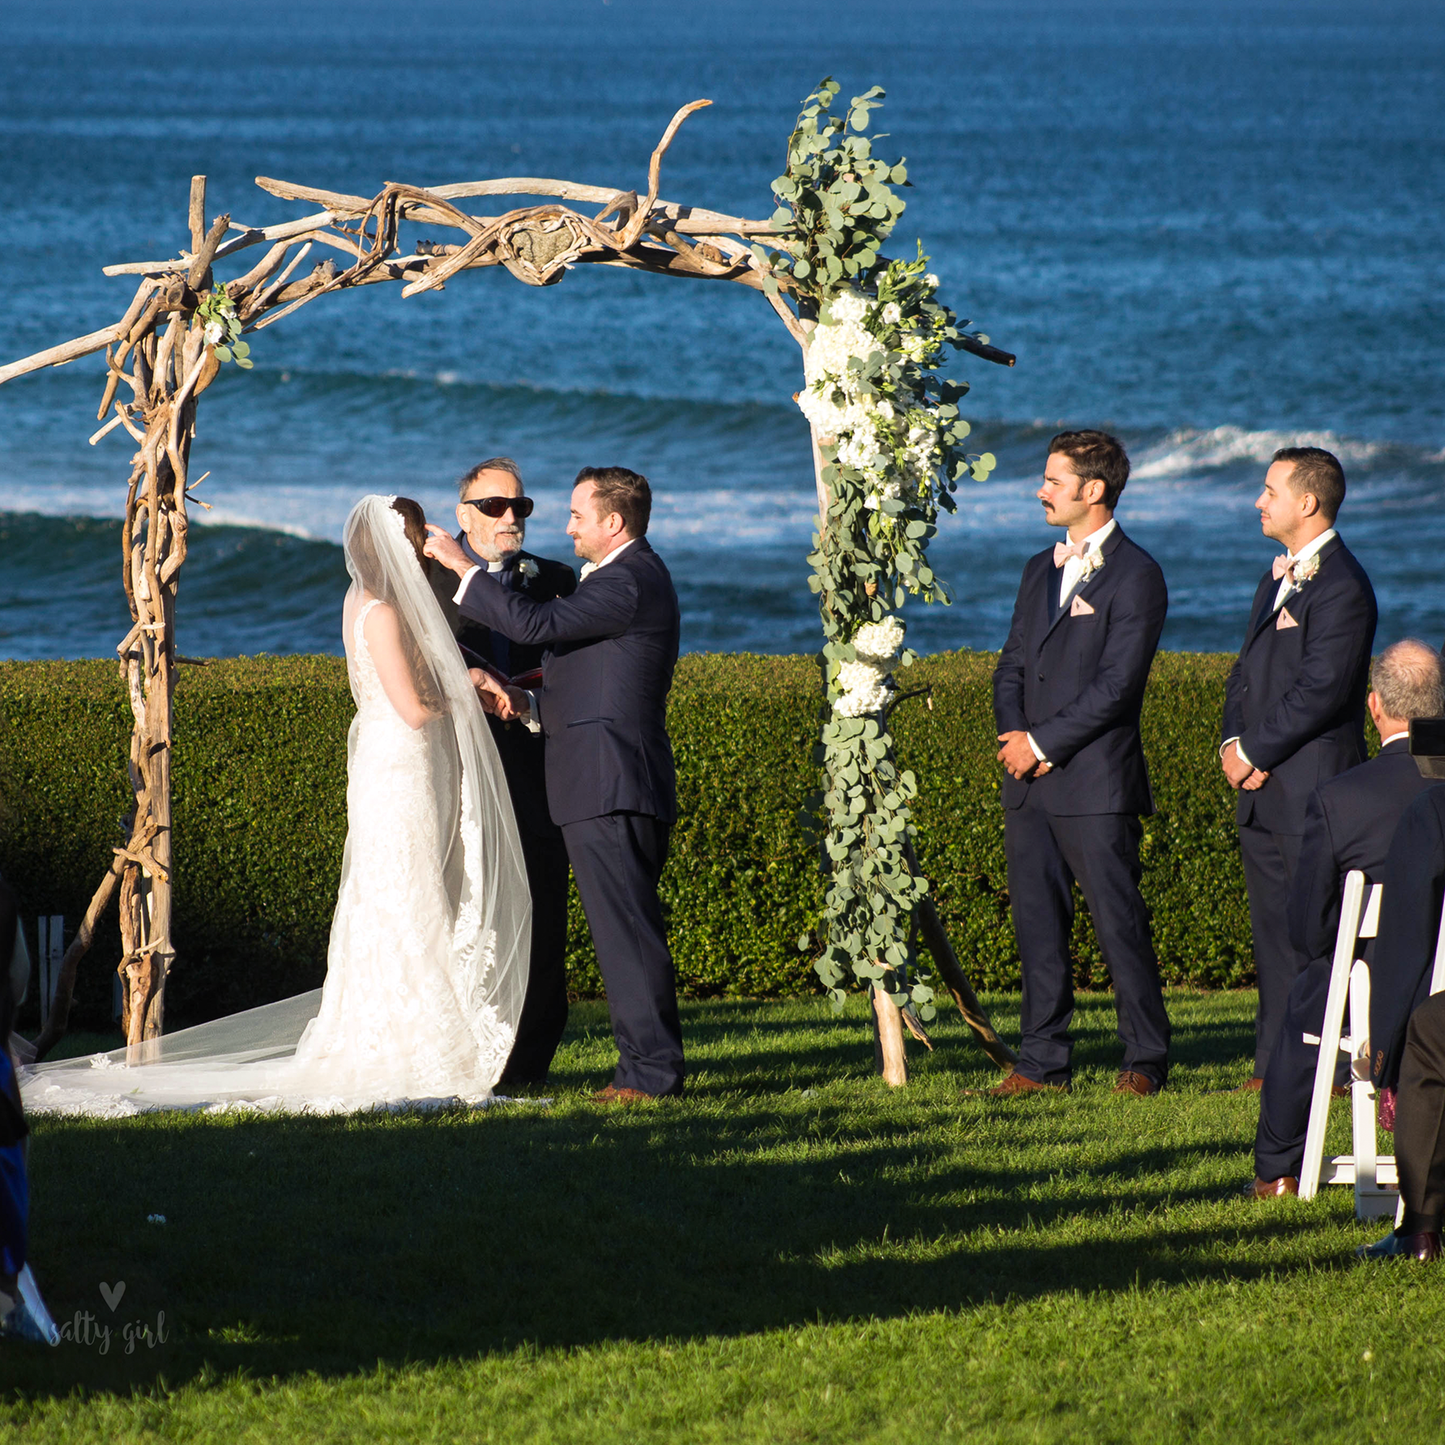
(891, 452)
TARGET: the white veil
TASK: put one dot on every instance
(304, 1052)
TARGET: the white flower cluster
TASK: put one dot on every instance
(879, 641)
(863, 684)
(839, 407)
(863, 689)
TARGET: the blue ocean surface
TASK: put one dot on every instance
(1214, 229)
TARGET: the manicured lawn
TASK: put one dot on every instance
(795, 1252)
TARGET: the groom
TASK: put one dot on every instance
(611, 786)
(1066, 697)
(493, 513)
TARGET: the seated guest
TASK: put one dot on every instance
(1349, 822)
(1419, 1138)
(16, 1318)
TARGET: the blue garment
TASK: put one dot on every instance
(14, 1186)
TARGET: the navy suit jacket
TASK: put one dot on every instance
(1076, 682)
(1349, 823)
(1295, 698)
(1409, 922)
(523, 753)
(612, 647)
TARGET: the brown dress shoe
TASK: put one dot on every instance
(1131, 1083)
(1279, 1188)
(1251, 1086)
(1017, 1084)
(613, 1095)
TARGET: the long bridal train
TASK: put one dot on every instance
(427, 964)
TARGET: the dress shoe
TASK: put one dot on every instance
(1251, 1086)
(613, 1095)
(1130, 1082)
(1017, 1084)
(1280, 1188)
(1424, 1247)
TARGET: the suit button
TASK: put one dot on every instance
(1041, 677)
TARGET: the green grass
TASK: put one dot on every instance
(794, 1252)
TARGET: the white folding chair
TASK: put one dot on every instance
(1373, 1175)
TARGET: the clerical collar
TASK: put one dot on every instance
(475, 556)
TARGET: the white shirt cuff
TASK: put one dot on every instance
(1237, 748)
(1038, 751)
(529, 718)
(464, 584)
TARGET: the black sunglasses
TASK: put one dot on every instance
(520, 507)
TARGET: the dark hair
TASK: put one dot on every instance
(415, 519)
(1096, 457)
(492, 464)
(1317, 473)
(623, 492)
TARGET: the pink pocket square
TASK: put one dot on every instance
(1080, 608)
(1285, 620)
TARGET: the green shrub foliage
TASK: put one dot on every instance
(260, 817)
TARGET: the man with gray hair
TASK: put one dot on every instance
(1349, 822)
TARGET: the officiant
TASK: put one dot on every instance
(492, 513)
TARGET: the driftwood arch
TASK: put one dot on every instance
(163, 351)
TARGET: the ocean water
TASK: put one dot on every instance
(1214, 229)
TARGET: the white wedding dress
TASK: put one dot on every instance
(427, 963)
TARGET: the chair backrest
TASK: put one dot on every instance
(1370, 923)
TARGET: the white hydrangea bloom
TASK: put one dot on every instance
(878, 642)
(860, 704)
(859, 676)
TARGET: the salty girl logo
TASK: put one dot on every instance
(99, 1333)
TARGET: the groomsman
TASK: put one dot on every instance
(492, 514)
(1294, 709)
(1066, 697)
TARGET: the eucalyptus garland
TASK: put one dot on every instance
(891, 442)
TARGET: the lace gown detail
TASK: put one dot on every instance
(410, 1008)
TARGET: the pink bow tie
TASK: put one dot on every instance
(1282, 566)
(1064, 550)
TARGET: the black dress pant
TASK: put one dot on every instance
(1101, 850)
(617, 860)
(1270, 860)
(1284, 1100)
(544, 1010)
(1420, 1119)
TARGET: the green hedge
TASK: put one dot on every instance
(260, 816)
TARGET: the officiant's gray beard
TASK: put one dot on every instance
(512, 539)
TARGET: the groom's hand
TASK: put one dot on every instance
(507, 703)
(1017, 754)
(442, 547)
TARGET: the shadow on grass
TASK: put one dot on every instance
(303, 1245)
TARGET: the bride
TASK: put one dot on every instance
(427, 964)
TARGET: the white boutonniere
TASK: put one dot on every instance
(588, 568)
(1303, 571)
(528, 568)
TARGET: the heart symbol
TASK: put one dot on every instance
(111, 1294)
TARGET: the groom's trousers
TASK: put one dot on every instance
(1046, 853)
(617, 861)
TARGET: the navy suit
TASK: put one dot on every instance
(523, 755)
(1349, 823)
(1072, 674)
(1295, 699)
(611, 783)
(1409, 925)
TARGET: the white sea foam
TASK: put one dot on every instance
(1189, 450)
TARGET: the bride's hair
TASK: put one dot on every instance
(412, 515)
(372, 575)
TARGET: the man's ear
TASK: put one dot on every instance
(1309, 504)
(462, 516)
(1096, 497)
